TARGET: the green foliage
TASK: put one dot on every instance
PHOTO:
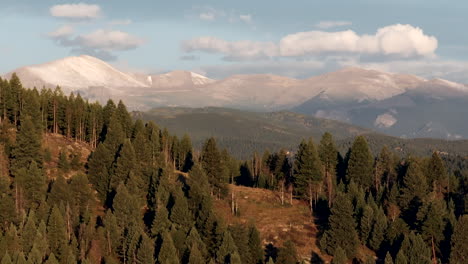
(226, 249)
(212, 164)
(308, 169)
(27, 147)
(414, 250)
(63, 163)
(56, 231)
(287, 254)
(340, 256)
(360, 164)
(459, 252)
(388, 259)
(167, 253)
(342, 232)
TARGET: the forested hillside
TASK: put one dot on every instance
(244, 132)
(146, 196)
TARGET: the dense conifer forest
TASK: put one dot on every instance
(146, 196)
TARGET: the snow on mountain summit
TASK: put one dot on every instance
(76, 72)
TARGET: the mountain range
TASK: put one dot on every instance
(401, 105)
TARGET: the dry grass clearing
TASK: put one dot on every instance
(276, 223)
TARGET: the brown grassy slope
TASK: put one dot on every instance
(55, 143)
(276, 223)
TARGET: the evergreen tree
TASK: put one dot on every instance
(378, 230)
(161, 221)
(195, 256)
(126, 207)
(52, 259)
(125, 164)
(145, 250)
(366, 223)
(180, 214)
(56, 231)
(226, 248)
(6, 259)
(27, 147)
(329, 156)
(20, 259)
(308, 171)
(388, 259)
(256, 254)
(431, 216)
(360, 164)
(7, 204)
(287, 254)
(339, 257)
(437, 178)
(414, 250)
(414, 185)
(29, 232)
(342, 232)
(459, 250)
(167, 253)
(212, 164)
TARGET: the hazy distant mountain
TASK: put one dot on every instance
(398, 104)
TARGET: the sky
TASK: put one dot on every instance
(218, 38)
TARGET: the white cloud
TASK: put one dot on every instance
(63, 31)
(99, 43)
(398, 40)
(395, 41)
(109, 40)
(246, 18)
(238, 50)
(121, 22)
(332, 23)
(76, 11)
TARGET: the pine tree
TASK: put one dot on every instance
(366, 223)
(378, 230)
(167, 253)
(7, 204)
(126, 207)
(307, 171)
(431, 216)
(56, 231)
(21, 259)
(339, 257)
(99, 166)
(125, 164)
(414, 250)
(329, 156)
(29, 232)
(161, 221)
(437, 178)
(360, 164)
(226, 248)
(414, 185)
(194, 240)
(180, 214)
(255, 246)
(52, 259)
(388, 258)
(32, 184)
(342, 232)
(146, 249)
(6, 259)
(212, 164)
(287, 254)
(27, 147)
(459, 251)
(195, 256)
(384, 169)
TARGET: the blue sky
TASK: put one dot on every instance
(218, 38)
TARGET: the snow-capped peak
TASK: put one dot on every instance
(77, 72)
